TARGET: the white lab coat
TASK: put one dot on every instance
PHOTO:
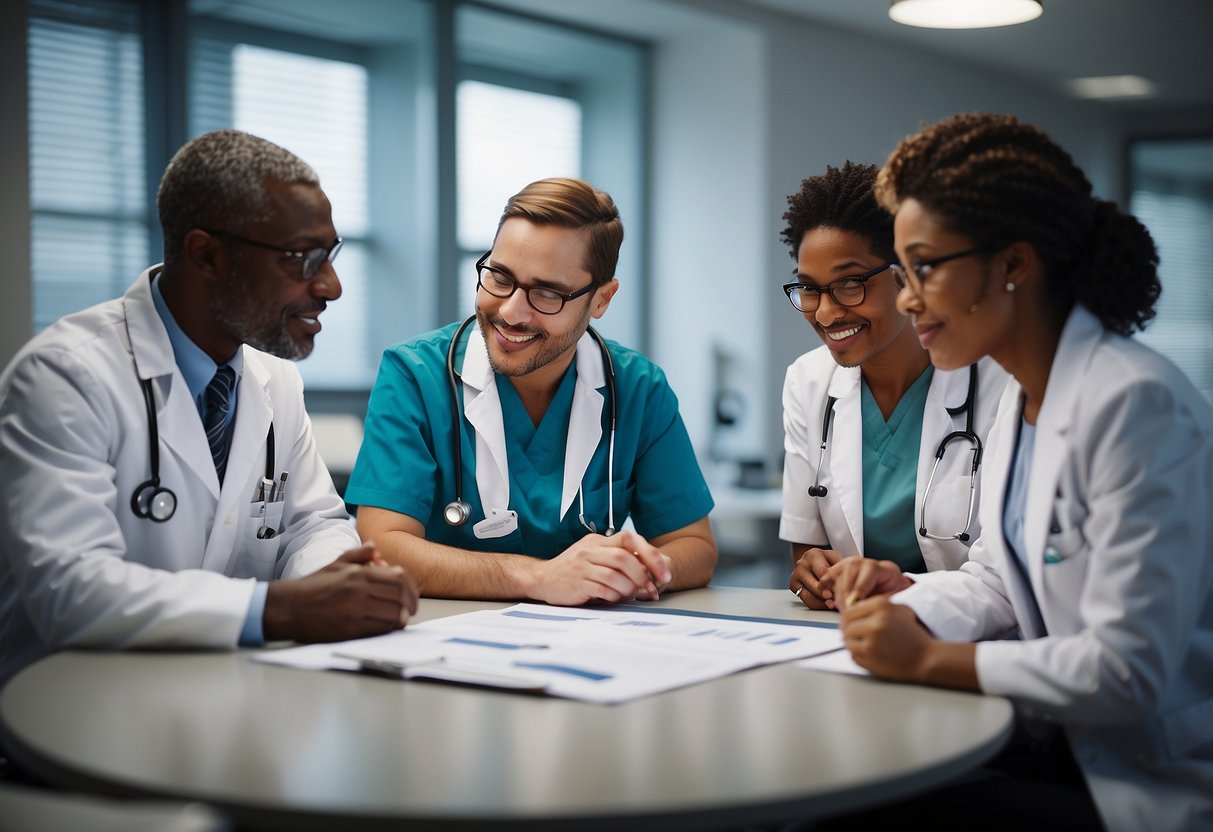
(1118, 620)
(837, 518)
(77, 567)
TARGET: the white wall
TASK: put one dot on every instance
(834, 96)
(709, 201)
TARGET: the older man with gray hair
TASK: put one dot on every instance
(159, 482)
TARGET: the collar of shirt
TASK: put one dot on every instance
(196, 366)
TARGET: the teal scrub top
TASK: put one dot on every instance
(406, 463)
(890, 475)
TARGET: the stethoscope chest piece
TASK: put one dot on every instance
(153, 502)
(150, 500)
(457, 512)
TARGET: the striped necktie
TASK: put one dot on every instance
(215, 422)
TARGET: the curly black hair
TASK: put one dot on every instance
(841, 198)
(998, 181)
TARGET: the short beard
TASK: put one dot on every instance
(548, 351)
(242, 315)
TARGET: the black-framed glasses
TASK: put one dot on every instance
(921, 269)
(541, 298)
(309, 261)
(850, 291)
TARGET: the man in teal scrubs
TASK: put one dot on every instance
(517, 488)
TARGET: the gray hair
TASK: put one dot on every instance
(217, 182)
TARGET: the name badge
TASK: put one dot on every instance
(499, 523)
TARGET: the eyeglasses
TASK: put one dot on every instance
(921, 270)
(541, 298)
(850, 291)
(310, 261)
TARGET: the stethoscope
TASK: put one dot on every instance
(969, 407)
(151, 500)
(458, 511)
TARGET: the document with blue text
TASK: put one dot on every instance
(595, 655)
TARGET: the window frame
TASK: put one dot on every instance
(428, 220)
(1130, 177)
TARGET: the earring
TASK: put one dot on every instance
(1010, 286)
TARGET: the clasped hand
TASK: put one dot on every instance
(356, 595)
(812, 566)
(621, 567)
(852, 579)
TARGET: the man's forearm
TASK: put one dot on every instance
(442, 571)
(692, 553)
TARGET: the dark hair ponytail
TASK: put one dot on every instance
(1118, 278)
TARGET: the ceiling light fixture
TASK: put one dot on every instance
(964, 14)
(1111, 87)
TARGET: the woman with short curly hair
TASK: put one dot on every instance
(865, 413)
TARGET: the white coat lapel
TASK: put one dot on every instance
(846, 450)
(176, 414)
(999, 462)
(254, 412)
(948, 389)
(585, 419)
(482, 407)
(1048, 456)
(1074, 351)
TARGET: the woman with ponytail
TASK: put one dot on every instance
(1097, 495)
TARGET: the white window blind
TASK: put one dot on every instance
(317, 108)
(507, 138)
(347, 88)
(1182, 227)
(89, 233)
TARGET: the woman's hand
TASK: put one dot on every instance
(812, 564)
(853, 579)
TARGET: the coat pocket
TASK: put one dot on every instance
(1188, 731)
(259, 544)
